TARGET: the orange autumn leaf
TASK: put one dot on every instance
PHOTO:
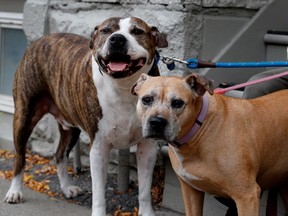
(71, 170)
(53, 194)
(135, 212)
(2, 152)
(125, 214)
(6, 154)
(28, 167)
(47, 170)
(2, 175)
(119, 212)
(36, 159)
(7, 174)
(27, 178)
(42, 186)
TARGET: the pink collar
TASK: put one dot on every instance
(196, 126)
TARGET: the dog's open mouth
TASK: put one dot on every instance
(155, 137)
(121, 66)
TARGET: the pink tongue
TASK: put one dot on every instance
(117, 66)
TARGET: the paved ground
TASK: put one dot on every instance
(38, 204)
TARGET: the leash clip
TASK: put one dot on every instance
(170, 61)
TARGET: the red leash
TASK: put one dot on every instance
(224, 90)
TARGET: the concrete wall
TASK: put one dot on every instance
(182, 21)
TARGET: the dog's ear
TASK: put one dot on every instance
(92, 37)
(136, 87)
(161, 41)
(200, 84)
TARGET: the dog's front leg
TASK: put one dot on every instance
(146, 158)
(248, 201)
(193, 199)
(99, 157)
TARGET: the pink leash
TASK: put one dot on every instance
(224, 90)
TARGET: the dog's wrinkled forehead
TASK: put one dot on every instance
(165, 88)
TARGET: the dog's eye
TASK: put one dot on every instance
(137, 31)
(177, 103)
(106, 30)
(147, 100)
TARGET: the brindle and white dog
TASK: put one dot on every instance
(86, 86)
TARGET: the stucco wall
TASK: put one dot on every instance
(181, 20)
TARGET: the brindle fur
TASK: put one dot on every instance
(61, 55)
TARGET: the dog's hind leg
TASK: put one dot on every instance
(68, 140)
(25, 119)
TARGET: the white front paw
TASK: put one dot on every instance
(72, 191)
(148, 211)
(98, 211)
(14, 196)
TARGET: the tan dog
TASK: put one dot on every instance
(85, 84)
(227, 147)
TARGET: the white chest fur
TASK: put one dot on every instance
(182, 173)
(119, 125)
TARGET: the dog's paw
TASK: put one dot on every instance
(146, 211)
(14, 197)
(149, 213)
(100, 211)
(72, 191)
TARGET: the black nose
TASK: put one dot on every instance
(157, 122)
(117, 40)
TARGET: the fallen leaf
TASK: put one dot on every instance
(135, 212)
(7, 174)
(47, 170)
(119, 212)
(27, 178)
(42, 186)
(3, 152)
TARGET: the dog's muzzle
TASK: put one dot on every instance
(118, 63)
(117, 40)
(156, 126)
